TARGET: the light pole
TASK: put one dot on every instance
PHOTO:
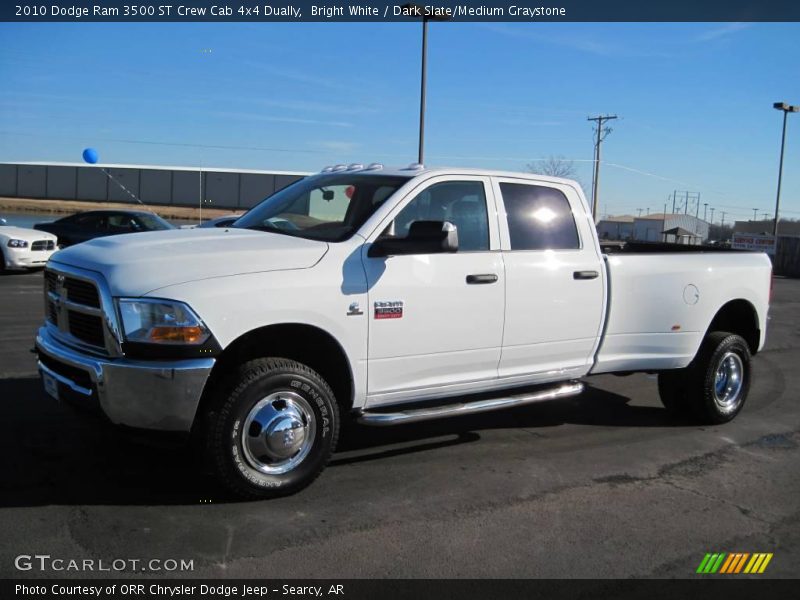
(786, 108)
(415, 10)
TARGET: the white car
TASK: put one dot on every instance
(23, 248)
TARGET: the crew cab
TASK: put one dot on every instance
(391, 296)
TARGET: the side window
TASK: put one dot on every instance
(539, 218)
(90, 222)
(462, 203)
(122, 223)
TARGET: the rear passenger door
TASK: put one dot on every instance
(555, 296)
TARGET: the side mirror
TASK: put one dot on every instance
(424, 237)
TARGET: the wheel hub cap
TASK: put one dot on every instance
(278, 433)
(728, 381)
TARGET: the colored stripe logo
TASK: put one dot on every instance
(732, 563)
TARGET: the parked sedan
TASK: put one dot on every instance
(88, 225)
(22, 248)
(224, 221)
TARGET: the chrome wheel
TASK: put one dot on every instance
(728, 382)
(278, 433)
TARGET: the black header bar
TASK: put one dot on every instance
(381, 11)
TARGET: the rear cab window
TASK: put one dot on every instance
(539, 217)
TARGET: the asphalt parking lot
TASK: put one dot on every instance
(603, 485)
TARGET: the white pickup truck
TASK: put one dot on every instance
(393, 295)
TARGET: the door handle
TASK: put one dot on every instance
(585, 275)
(482, 278)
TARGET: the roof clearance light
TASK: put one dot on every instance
(339, 168)
(374, 167)
(327, 170)
(414, 167)
(355, 166)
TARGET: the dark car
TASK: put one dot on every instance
(225, 221)
(84, 226)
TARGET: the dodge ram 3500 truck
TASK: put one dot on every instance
(393, 295)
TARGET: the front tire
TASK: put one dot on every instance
(714, 387)
(272, 430)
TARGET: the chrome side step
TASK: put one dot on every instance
(382, 419)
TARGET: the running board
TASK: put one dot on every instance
(382, 419)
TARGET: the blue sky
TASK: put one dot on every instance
(694, 100)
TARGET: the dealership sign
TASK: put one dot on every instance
(759, 242)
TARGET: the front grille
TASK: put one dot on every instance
(87, 328)
(82, 292)
(50, 279)
(52, 313)
(41, 245)
(73, 305)
(75, 290)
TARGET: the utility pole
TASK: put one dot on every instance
(722, 223)
(640, 212)
(415, 10)
(648, 211)
(786, 108)
(764, 216)
(755, 214)
(712, 215)
(705, 210)
(673, 202)
(602, 132)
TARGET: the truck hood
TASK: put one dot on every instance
(137, 263)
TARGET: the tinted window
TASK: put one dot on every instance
(121, 223)
(152, 222)
(539, 218)
(89, 221)
(462, 203)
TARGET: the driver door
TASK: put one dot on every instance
(436, 320)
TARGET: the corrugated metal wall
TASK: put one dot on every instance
(162, 186)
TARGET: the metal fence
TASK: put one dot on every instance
(166, 186)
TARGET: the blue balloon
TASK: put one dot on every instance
(90, 155)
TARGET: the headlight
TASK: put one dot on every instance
(161, 322)
(17, 244)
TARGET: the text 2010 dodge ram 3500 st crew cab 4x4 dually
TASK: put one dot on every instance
(394, 295)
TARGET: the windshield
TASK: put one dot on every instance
(153, 222)
(329, 207)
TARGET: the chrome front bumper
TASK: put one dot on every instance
(158, 395)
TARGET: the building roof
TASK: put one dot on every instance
(766, 226)
(619, 219)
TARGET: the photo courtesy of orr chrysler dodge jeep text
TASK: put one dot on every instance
(394, 296)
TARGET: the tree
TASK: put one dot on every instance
(553, 166)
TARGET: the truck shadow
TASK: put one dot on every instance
(53, 455)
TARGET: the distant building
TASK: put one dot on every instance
(616, 228)
(676, 228)
(787, 228)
